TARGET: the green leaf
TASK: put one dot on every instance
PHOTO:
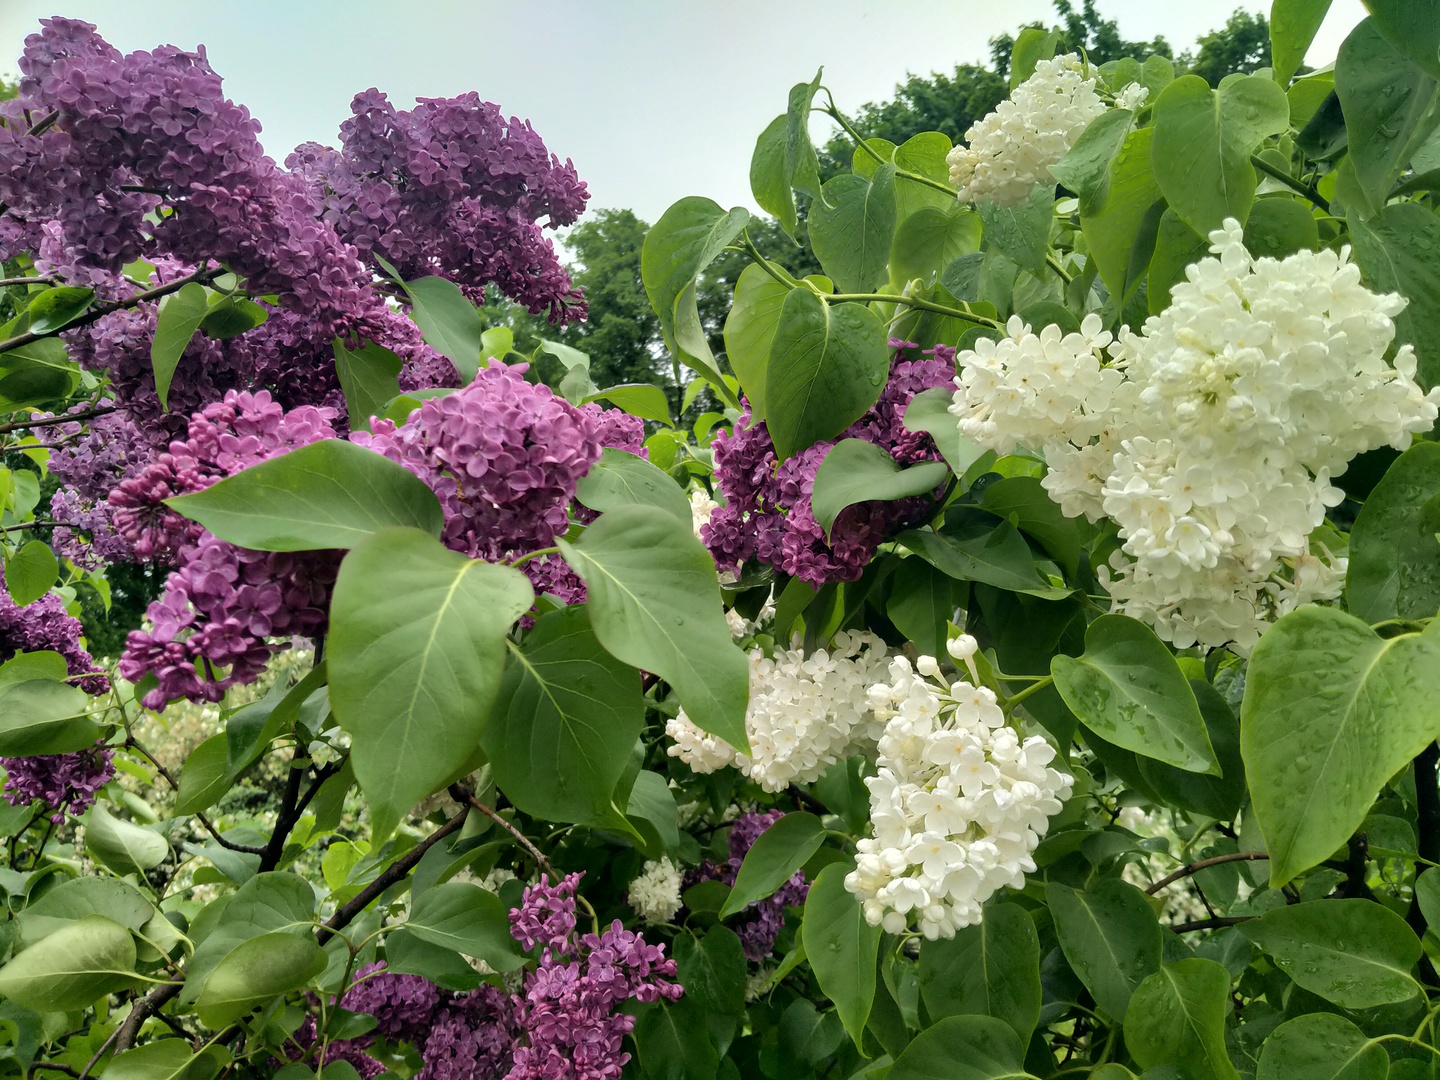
(990, 969)
(30, 572)
(851, 226)
(121, 845)
(1321, 1046)
(712, 970)
(1177, 1017)
(962, 1048)
(1129, 689)
(929, 411)
(1085, 169)
(417, 646)
(368, 379)
(1110, 936)
(645, 400)
(1203, 142)
(653, 814)
(1279, 226)
(38, 716)
(329, 494)
(841, 947)
(448, 321)
(1356, 953)
(251, 729)
(828, 365)
(931, 239)
(1111, 227)
(1024, 502)
(1331, 712)
(856, 471)
(995, 556)
(231, 316)
(62, 905)
(50, 310)
(1293, 25)
(1394, 569)
(621, 478)
(921, 602)
(205, 776)
(410, 954)
(1396, 252)
(43, 665)
(1176, 247)
(177, 321)
(70, 968)
(572, 715)
(1219, 796)
(36, 374)
(1021, 233)
(674, 1043)
(802, 163)
(467, 919)
(1389, 107)
(770, 177)
(1032, 45)
(780, 851)
(654, 602)
(256, 971)
(1414, 29)
(750, 330)
(166, 1059)
(273, 902)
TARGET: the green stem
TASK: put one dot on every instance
(864, 144)
(1309, 191)
(523, 559)
(915, 302)
(1056, 265)
(765, 264)
(1034, 688)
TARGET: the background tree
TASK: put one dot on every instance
(1241, 45)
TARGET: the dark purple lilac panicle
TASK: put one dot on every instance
(767, 514)
(63, 782)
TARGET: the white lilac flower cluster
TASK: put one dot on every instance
(655, 894)
(1210, 438)
(958, 803)
(1011, 150)
(805, 714)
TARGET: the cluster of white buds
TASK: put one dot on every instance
(655, 894)
(958, 803)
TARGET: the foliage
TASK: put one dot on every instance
(939, 638)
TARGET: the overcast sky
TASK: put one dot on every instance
(653, 99)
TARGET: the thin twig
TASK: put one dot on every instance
(1209, 924)
(248, 849)
(140, 1011)
(7, 282)
(1201, 864)
(520, 838)
(1310, 192)
(48, 421)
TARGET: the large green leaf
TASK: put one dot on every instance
(48, 311)
(1128, 688)
(70, 968)
(802, 163)
(122, 845)
(1293, 25)
(828, 364)
(1177, 1017)
(1394, 569)
(1112, 225)
(58, 907)
(712, 970)
(205, 776)
(1021, 233)
(466, 918)
(329, 494)
(417, 646)
(962, 1048)
(773, 859)
(1356, 953)
(996, 555)
(1219, 796)
(39, 716)
(1413, 28)
(1321, 1046)
(1280, 226)
(448, 321)
(1396, 252)
(572, 715)
(36, 374)
(30, 572)
(1331, 712)
(645, 400)
(674, 1043)
(256, 971)
(1085, 169)
(166, 1059)
(990, 969)
(1203, 142)
(1176, 247)
(851, 226)
(750, 330)
(769, 176)
(1389, 107)
(268, 903)
(1110, 936)
(654, 602)
(368, 379)
(929, 411)
(621, 478)
(932, 238)
(856, 471)
(841, 947)
(1024, 502)
(179, 317)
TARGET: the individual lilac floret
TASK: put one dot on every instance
(765, 918)
(767, 513)
(502, 454)
(61, 781)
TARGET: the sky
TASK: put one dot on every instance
(654, 100)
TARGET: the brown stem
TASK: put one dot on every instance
(140, 1011)
(805, 799)
(520, 838)
(1209, 924)
(248, 849)
(44, 123)
(7, 282)
(1195, 867)
(22, 425)
(393, 873)
(101, 310)
(285, 819)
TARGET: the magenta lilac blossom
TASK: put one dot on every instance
(63, 782)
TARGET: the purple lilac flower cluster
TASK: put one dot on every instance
(209, 628)
(567, 1007)
(767, 514)
(765, 917)
(46, 625)
(152, 132)
(503, 455)
(451, 188)
(61, 781)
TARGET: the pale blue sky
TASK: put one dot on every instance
(653, 99)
